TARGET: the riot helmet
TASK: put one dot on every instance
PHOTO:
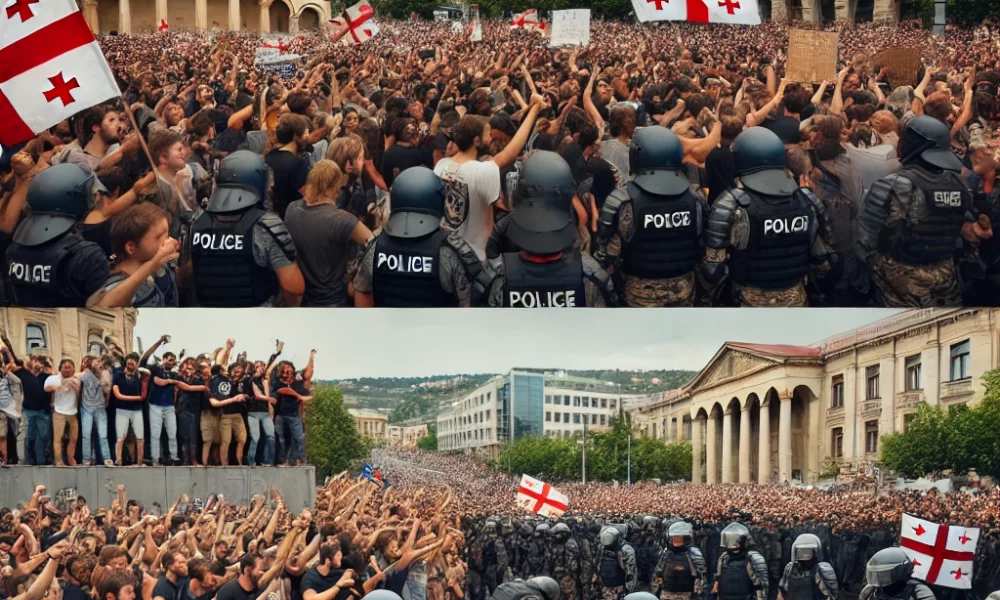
(506, 526)
(649, 523)
(417, 204)
(680, 534)
(735, 538)
(807, 547)
(542, 222)
(59, 197)
(546, 586)
(241, 183)
(560, 532)
(760, 160)
(525, 530)
(382, 595)
(888, 567)
(490, 528)
(641, 596)
(656, 158)
(929, 140)
(610, 536)
(541, 530)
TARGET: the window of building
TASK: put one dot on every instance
(35, 338)
(871, 379)
(654, 430)
(586, 401)
(612, 404)
(95, 345)
(960, 360)
(576, 418)
(548, 417)
(913, 373)
(604, 402)
(548, 399)
(837, 392)
(565, 417)
(565, 400)
(576, 401)
(593, 419)
(488, 415)
(603, 420)
(837, 446)
(871, 437)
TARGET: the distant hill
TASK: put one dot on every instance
(420, 399)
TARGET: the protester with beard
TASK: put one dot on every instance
(404, 153)
(100, 142)
(290, 162)
(191, 390)
(224, 394)
(327, 581)
(244, 587)
(37, 406)
(126, 390)
(169, 585)
(292, 390)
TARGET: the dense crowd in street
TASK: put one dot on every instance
(516, 159)
(217, 408)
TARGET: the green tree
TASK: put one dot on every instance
(429, 441)
(332, 440)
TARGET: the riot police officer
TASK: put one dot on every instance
(617, 570)
(767, 226)
(741, 573)
(564, 560)
(242, 255)
(525, 533)
(494, 556)
(649, 234)
(648, 549)
(48, 265)
(888, 576)
(536, 588)
(536, 553)
(680, 572)
(807, 577)
(415, 263)
(547, 272)
(912, 259)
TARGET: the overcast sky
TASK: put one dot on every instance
(409, 343)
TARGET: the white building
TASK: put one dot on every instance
(471, 423)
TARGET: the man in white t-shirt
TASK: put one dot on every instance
(65, 389)
(473, 186)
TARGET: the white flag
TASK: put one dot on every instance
(541, 498)
(941, 554)
(51, 67)
(742, 12)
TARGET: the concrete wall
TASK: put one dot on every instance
(162, 485)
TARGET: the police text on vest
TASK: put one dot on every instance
(405, 264)
(215, 241)
(30, 273)
(948, 198)
(668, 220)
(786, 225)
(561, 299)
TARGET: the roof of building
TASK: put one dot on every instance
(782, 350)
(363, 413)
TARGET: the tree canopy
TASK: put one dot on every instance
(332, 440)
(429, 441)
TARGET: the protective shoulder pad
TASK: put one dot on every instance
(829, 576)
(698, 559)
(819, 208)
(720, 220)
(593, 271)
(922, 592)
(609, 213)
(759, 566)
(480, 276)
(276, 227)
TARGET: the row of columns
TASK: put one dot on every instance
(200, 15)
(764, 452)
(884, 11)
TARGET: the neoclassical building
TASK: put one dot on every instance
(67, 332)
(774, 413)
(265, 16)
(816, 11)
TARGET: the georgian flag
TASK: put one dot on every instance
(941, 554)
(737, 12)
(528, 20)
(541, 498)
(163, 25)
(51, 67)
(355, 25)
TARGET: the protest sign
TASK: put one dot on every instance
(812, 56)
(570, 27)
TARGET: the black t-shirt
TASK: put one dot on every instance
(254, 405)
(232, 590)
(223, 389)
(720, 171)
(312, 580)
(127, 386)
(190, 402)
(400, 158)
(290, 174)
(288, 405)
(165, 589)
(35, 396)
(71, 591)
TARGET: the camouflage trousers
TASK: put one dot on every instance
(613, 592)
(910, 286)
(645, 293)
(567, 584)
(793, 297)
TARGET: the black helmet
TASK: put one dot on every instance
(542, 222)
(683, 530)
(807, 547)
(526, 530)
(546, 586)
(382, 595)
(560, 532)
(241, 183)
(490, 527)
(610, 536)
(650, 522)
(655, 158)
(59, 197)
(929, 139)
(417, 202)
(759, 157)
(887, 567)
(541, 529)
(735, 537)
(507, 526)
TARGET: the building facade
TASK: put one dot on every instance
(67, 332)
(471, 423)
(371, 424)
(405, 436)
(824, 11)
(774, 413)
(264, 16)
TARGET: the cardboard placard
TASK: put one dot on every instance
(570, 27)
(812, 56)
(902, 65)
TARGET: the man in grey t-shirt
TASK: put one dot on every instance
(93, 408)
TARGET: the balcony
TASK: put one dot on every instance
(909, 400)
(870, 408)
(955, 390)
(835, 414)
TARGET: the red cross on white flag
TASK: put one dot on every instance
(942, 554)
(541, 498)
(355, 26)
(50, 67)
(736, 12)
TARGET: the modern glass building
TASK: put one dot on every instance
(527, 395)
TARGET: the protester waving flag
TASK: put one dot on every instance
(541, 498)
(528, 20)
(742, 12)
(355, 25)
(50, 68)
(942, 554)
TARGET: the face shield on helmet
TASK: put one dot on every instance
(887, 567)
(680, 534)
(735, 537)
(806, 547)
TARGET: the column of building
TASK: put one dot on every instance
(764, 451)
(696, 442)
(785, 437)
(745, 427)
(124, 17)
(234, 15)
(161, 12)
(710, 442)
(90, 15)
(727, 446)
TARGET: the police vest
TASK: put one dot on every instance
(406, 272)
(735, 582)
(665, 239)
(612, 573)
(777, 253)
(678, 575)
(513, 590)
(801, 584)
(34, 271)
(225, 273)
(557, 284)
(933, 239)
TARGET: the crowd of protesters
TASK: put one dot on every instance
(337, 135)
(211, 409)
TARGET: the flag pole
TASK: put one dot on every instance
(145, 148)
(584, 467)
